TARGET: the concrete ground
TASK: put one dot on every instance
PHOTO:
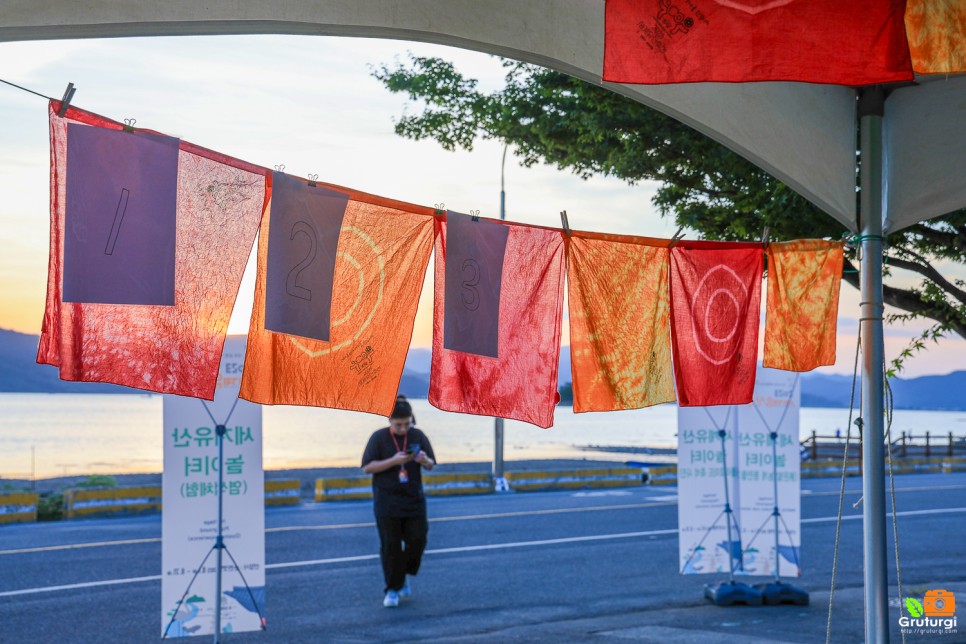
(561, 566)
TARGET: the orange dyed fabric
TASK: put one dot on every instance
(620, 328)
(521, 383)
(936, 31)
(381, 262)
(804, 278)
(168, 349)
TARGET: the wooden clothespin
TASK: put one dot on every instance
(678, 236)
(65, 102)
(764, 236)
(565, 222)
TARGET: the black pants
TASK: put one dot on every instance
(397, 560)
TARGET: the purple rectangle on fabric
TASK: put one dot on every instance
(120, 217)
(474, 276)
(303, 238)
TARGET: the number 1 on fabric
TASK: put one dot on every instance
(121, 217)
(474, 276)
(302, 243)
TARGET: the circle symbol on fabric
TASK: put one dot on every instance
(369, 302)
(716, 314)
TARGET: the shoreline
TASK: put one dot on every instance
(307, 476)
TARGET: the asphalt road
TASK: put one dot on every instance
(570, 566)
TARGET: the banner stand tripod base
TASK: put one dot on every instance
(728, 593)
(774, 593)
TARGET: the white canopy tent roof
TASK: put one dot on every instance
(805, 135)
(802, 134)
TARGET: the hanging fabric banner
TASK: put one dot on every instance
(801, 312)
(715, 304)
(669, 41)
(148, 242)
(381, 252)
(497, 317)
(620, 328)
(936, 30)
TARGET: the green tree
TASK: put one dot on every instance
(549, 117)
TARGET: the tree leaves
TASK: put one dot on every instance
(549, 117)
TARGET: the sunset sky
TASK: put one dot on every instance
(311, 104)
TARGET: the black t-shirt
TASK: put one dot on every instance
(393, 497)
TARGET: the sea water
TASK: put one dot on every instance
(48, 435)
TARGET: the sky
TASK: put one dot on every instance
(311, 104)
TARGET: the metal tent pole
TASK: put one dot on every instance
(871, 111)
(220, 430)
(499, 475)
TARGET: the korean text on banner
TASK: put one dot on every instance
(620, 328)
(381, 253)
(148, 242)
(814, 41)
(801, 311)
(753, 458)
(715, 304)
(189, 523)
(497, 317)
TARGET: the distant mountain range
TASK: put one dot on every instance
(20, 372)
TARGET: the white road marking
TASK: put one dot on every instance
(656, 501)
(440, 551)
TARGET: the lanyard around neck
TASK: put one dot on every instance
(396, 443)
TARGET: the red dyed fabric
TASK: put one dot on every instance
(520, 382)
(715, 304)
(164, 348)
(814, 41)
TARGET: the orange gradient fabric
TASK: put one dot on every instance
(620, 324)
(936, 30)
(804, 278)
(381, 261)
(162, 348)
(521, 382)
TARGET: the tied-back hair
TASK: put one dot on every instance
(402, 409)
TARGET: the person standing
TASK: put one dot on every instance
(395, 457)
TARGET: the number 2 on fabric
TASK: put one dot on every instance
(292, 281)
(475, 250)
(303, 240)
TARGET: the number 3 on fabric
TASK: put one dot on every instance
(470, 294)
(474, 255)
(303, 240)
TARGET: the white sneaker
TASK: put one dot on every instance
(406, 590)
(391, 600)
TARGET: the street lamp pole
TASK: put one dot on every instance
(499, 475)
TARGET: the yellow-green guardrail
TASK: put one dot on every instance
(283, 492)
(18, 507)
(603, 477)
(667, 475)
(136, 500)
(111, 501)
(351, 488)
